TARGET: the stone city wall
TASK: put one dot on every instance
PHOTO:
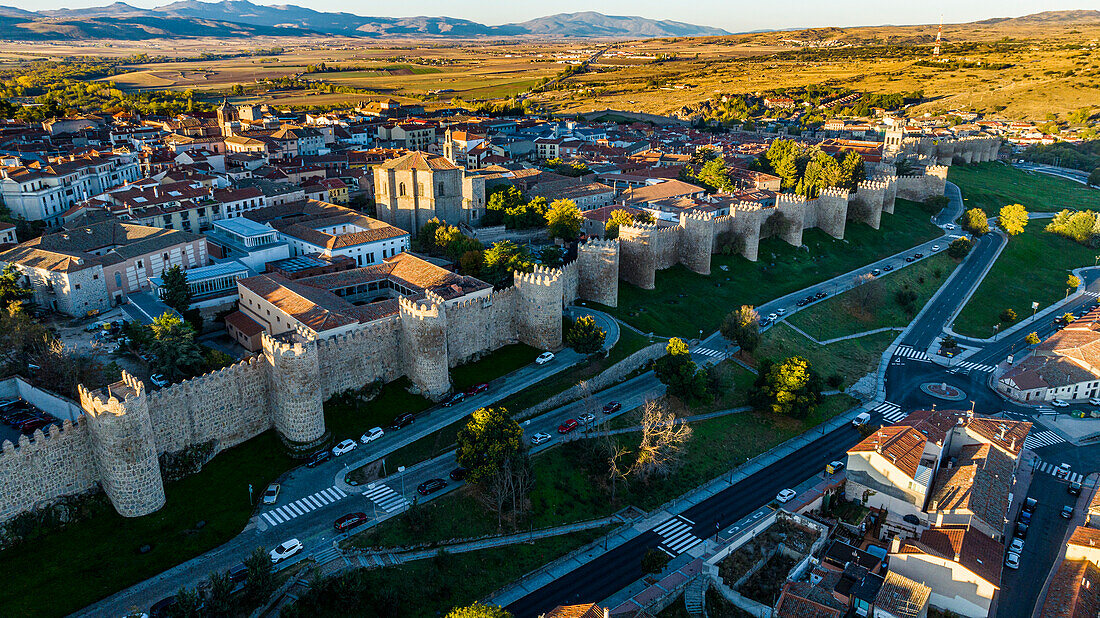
(597, 271)
(358, 357)
(45, 466)
(478, 326)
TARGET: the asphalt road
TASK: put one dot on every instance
(618, 568)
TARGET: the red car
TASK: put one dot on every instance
(350, 520)
(612, 406)
(568, 426)
(477, 388)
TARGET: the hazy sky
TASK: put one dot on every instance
(733, 15)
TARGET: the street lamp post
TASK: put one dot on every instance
(250, 493)
(401, 471)
(996, 329)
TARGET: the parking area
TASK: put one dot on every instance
(19, 417)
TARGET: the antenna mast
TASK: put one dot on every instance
(939, 37)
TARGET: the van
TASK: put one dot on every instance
(862, 419)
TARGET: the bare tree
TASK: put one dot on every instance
(863, 295)
(616, 470)
(506, 491)
(663, 440)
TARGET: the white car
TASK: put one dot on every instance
(1095, 401)
(1012, 560)
(785, 496)
(949, 226)
(544, 358)
(935, 248)
(372, 435)
(781, 311)
(271, 494)
(772, 317)
(862, 419)
(1017, 546)
(1058, 403)
(540, 438)
(286, 550)
(346, 446)
(159, 380)
(586, 418)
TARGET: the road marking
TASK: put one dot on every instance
(906, 351)
(709, 352)
(1039, 439)
(676, 536)
(1052, 469)
(386, 498)
(312, 502)
(891, 412)
(976, 367)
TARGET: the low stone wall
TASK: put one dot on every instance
(609, 376)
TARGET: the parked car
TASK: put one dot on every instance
(820, 295)
(876, 272)
(35, 423)
(862, 419)
(568, 426)
(456, 398)
(1012, 560)
(372, 434)
(402, 420)
(908, 258)
(239, 573)
(1021, 530)
(935, 248)
(918, 255)
(781, 311)
(458, 474)
(349, 521)
(346, 446)
(477, 388)
(1017, 546)
(430, 486)
(887, 268)
(158, 380)
(1030, 504)
(1024, 517)
(611, 407)
(1074, 489)
(834, 467)
(1094, 401)
(1067, 512)
(1058, 403)
(772, 317)
(785, 496)
(271, 494)
(540, 438)
(286, 550)
(586, 418)
(544, 358)
(319, 458)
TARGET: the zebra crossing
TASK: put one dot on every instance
(1039, 439)
(906, 351)
(891, 412)
(715, 354)
(387, 499)
(1049, 468)
(676, 536)
(969, 366)
(288, 512)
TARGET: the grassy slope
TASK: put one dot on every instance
(851, 359)
(990, 186)
(1033, 267)
(684, 302)
(840, 316)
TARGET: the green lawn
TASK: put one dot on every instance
(851, 359)
(64, 571)
(432, 587)
(1033, 267)
(684, 302)
(569, 479)
(990, 186)
(877, 304)
(498, 363)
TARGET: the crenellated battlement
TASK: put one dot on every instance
(596, 244)
(872, 185)
(112, 399)
(279, 347)
(39, 441)
(793, 199)
(542, 276)
(834, 192)
(418, 309)
(746, 207)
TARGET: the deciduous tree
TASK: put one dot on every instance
(585, 336)
(173, 345)
(563, 220)
(790, 388)
(1032, 339)
(742, 326)
(10, 289)
(959, 248)
(680, 374)
(662, 443)
(477, 610)
(1013, 219)
(488, 440)
(975, 222)
(617, 219)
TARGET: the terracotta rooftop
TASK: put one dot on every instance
(979, 483)
(1074, 591)
(660, 191)
(901, 446)
(902, 596)
(803, 600)
(587, 610)
(977, 552)
(1085, 537)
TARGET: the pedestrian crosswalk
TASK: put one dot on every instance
(906, 351)
(1049, 468)
(288, 512)
(976, 367)
(1039, 439)
(676, 536)
(715, 354)
(891, 412)
(387, 499)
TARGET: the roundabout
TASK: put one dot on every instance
(943, 390)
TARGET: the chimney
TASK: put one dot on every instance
(895, 544)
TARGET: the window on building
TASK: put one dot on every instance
(401, 190)
(440, 188)
(140, 264)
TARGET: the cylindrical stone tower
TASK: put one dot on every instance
(539, 308)
(424, 339)
(297, 407)
(598, 272)
(123, 446)
(696, 241)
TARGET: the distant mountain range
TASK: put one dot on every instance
(241, 18)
